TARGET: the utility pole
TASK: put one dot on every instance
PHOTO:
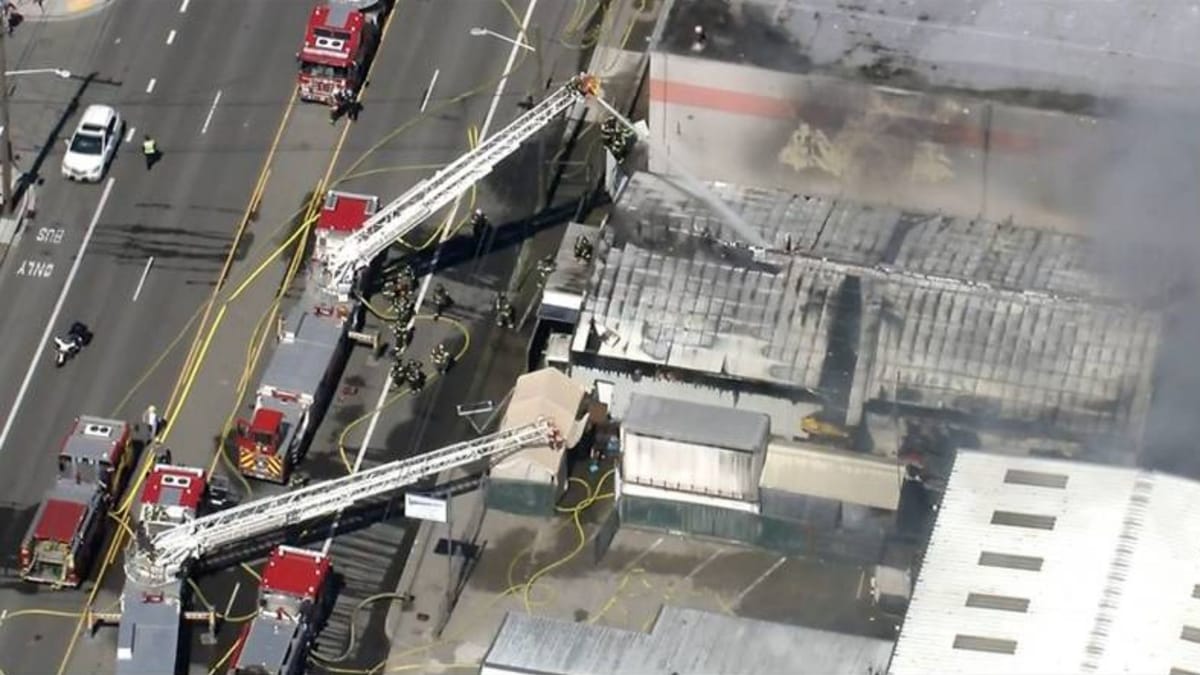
(5, 139)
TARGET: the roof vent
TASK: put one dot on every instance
(102, 430)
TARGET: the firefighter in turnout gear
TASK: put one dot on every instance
(414, 374)
(441, 357)
(441, 301)
(398, 373)
(545, 268)
(615, 137)
(401, 337)
(479, 223)
(583, 249)
(506, 316)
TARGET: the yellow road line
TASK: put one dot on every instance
(260, 186)
(118, 538)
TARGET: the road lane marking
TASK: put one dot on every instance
(58, 305)
(192, 356)
(173, 404)
(150, 87)
(36, 268)
(211, 110)
(512, 58)
(171, 36)
(183, 7)
(142, 281)
(129, 134)
(429, 90)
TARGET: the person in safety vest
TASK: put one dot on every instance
(149, 151)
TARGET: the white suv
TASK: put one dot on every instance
(93, 144)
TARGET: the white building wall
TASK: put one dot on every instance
(688, 467)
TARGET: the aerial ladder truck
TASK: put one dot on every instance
(157, 564)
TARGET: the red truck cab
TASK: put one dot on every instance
(339, 43)
(94, 464)
(295, 597)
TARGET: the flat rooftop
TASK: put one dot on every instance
(1053, 53)
(681, 641)
(1048, 566)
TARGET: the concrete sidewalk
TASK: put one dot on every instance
(58, 10)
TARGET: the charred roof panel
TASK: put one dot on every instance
(653, 207)
(715, 317)
(1068, 365)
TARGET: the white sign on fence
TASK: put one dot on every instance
(425, 508)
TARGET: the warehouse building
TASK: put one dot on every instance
(717, 472)
(1048, 566)
(862, 312)
(681, 641)
(968, 108)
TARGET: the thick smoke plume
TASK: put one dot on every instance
(1140, 195)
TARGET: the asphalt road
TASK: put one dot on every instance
(182, 213)
(370, 560)
(425, 39)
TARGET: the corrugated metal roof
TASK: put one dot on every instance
(683, 641)
(652, 203)
(706, 314)
(697, 423)
(843, 476)
(1070, 365)
(1046, 566)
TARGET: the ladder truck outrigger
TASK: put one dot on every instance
(162, 561)
(157, 565)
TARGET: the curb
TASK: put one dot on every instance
(25, 212)
(71, 9)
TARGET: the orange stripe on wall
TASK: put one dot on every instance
(736, 102)
(757, 105)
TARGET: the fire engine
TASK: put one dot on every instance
(339, 43)
(172, 496)
(294, 599)
(93, 467)
(164, 559)
(303, 372)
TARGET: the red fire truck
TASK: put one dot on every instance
(339, 43)
(93, 467)
(294, 599)
(314, 340)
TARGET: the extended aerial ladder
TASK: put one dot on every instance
(409, 210)
(164, 558)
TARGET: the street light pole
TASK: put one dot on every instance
(479, 32)
(5, 139)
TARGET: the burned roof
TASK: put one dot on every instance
(1075, 366)
(1005, 255)
(714, 316)
(653, 207)
(970, 315)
